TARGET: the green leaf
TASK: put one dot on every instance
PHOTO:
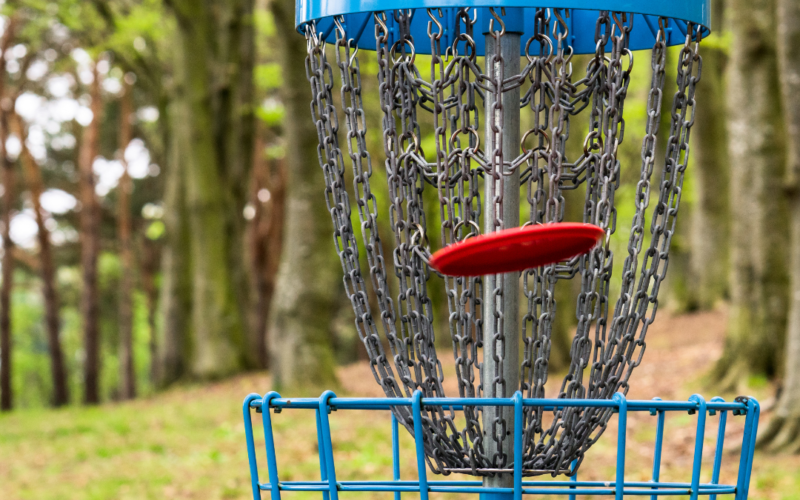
(155, 230)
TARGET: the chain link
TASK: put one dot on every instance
(603, 353)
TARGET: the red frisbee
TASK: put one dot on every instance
(516, 249)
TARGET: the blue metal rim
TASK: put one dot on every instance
(619, 487)
(359, 22)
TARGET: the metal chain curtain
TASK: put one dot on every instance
(449, 94)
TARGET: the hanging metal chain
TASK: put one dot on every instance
(603, 353)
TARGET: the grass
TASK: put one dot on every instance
(188, 443)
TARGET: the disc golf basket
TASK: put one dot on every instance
(489, 88)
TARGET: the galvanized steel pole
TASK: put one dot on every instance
(510, 125)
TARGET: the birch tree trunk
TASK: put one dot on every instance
(126, 365)
(759, 284)
(90, 247)
(309, 275)
(33, 177)
(783, 431)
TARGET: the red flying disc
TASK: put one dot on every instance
(516, 249)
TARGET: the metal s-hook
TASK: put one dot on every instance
(620, 24)
(380, 24)
(564, 32)
(438, 25)
(338, 20)
(499, 20)
(663, 24)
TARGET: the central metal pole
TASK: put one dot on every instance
(509, 303)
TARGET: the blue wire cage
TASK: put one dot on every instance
(330, 487)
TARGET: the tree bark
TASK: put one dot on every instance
(127, 369)
(9, 196)
(176, 289)
(149, 265)
(301, 349)
(759, 285)
(52, 323)
(710, 224)
(90, 236)
(783, 431)
(214, 65)
(269, 174)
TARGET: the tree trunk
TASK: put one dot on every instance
(214, 65)
(90, 236)
(149, 265)
(301, 350)
(269, 176)
(176, 263)
(759, 285)
(710, 225)
(783, 431)
(52, 324)
(9, 195)
(6, 395)
(127, 369)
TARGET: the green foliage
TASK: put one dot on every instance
(268, 76)
(32, 383)
(155, 230)
(271, 112)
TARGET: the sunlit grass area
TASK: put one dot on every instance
(189, 443)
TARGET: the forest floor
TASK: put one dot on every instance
(188, 442)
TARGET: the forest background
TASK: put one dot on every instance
(163, 219)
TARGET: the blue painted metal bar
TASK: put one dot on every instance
(519, 432)
(416, 408)
(459, 403)
(395, 453)
(622, 433)
(698, 443)
(658, 447)
(743, 479)
(526, 484)
(269, 443)
(605, 491)
(573, 479)
(683, 488)
(323, 468)
(720, 445)
(324, 407)
(251, 447)
(754, 409)
(566, 485)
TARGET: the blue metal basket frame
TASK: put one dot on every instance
(330, 487)
(359, 23)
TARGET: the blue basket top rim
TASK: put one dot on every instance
(358, 19)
